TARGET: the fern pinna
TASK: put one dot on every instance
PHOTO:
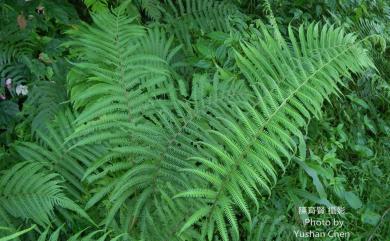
(169, 156)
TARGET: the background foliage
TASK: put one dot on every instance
(192, 120)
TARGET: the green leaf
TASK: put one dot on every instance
(205, 49)
(363, 151)
(313, 174)
(353, 200)
(370, 125)
(358, 101)
(370, 217)
(17, 234)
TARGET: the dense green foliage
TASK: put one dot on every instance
(193, 119)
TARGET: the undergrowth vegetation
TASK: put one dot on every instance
(193, 119)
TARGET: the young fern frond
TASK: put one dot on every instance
(290, 84)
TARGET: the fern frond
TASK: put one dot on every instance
(8, 113)
(165, 147)
(290, 84)
(156, 43)
(98, 235)
(266, 227)
(200, 16)
(12, 57)
(44, 102)
(152, 8)
(27, 191)
(15, 46)
(122, 85)
(49, 150)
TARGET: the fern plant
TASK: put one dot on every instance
(150, 150)
(227, 156)
(250, 146)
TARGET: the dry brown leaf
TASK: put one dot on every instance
(22, 22)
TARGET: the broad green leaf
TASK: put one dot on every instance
(370, 217)
(353, 200)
